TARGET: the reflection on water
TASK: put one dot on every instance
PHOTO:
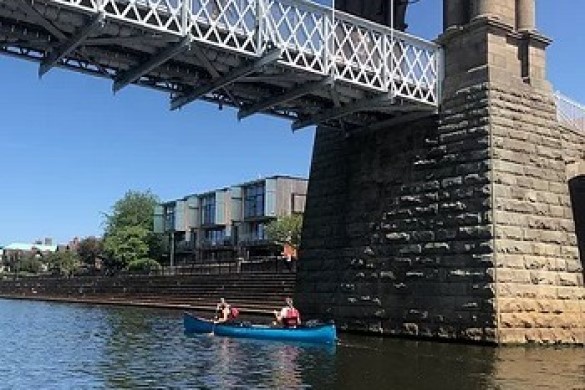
(400, 364)
(148, 348)
(57, 346)
(550, 368)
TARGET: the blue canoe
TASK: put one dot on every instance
(322, 333)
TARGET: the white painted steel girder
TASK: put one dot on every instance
(569, 112)
(329, 66)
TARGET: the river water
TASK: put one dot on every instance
(61, 346)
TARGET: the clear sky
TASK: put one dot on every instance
(70, 149)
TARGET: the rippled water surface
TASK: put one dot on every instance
(60, 346)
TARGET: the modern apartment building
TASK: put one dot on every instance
(229, 222)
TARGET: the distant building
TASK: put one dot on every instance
(73, 244)
(18, 251)
(29, 248)
(229, 222)
(48, 241)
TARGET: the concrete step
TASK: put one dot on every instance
(257, 293)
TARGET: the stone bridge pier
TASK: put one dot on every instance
(460, 226)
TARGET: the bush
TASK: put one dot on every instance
(63, 263)
(31, 264)
(144, 266)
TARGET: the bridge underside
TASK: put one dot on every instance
(294, 68)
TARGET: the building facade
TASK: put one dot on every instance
(12, 254)
(229, 222)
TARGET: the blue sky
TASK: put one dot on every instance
(70, 149)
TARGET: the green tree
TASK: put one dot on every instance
(156, 245)
(286, 230)
(125, 245)
(31, 263)
(64, 263)
(89, 249)
(134, 209)
(129, 230)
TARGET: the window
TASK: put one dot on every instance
(169, 215)
(254, 200)
(208, 209)
(215, 236)
(258, 231)
(298, 203)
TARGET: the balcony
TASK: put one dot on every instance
(184, 247)
(219, 244)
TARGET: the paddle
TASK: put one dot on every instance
(215, 318)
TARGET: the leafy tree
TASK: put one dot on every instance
(129, 230)
(89, 249)
(126, 244)
(286, 230)
(64, 263)
(14, 260)
(31, 264)
(156, 245)
(134, 209)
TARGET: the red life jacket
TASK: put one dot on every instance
(234, 312)
(291, 317)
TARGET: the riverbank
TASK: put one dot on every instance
(254, 294)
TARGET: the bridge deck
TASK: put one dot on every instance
(289, 58)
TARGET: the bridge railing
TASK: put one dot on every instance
(312, 38)
(569, 112)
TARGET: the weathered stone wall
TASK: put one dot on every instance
(324, 233)
(400, 236)
(540, 294)
(397, 235)
(458, 226)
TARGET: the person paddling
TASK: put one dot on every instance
(225, 312)
(289, 316)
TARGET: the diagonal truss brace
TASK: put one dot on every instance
(211, 69)
(31, 11)
(293, 94)
(221, 82)
(71, 44)
(154, 62)
(338, 112)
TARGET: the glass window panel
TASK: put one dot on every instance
(208, 209)
(254, 200)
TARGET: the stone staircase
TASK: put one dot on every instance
(251, 293)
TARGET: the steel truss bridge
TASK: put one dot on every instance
(290, 58)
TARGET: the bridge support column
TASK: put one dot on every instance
(455, 227)
(525, 15)
(455, 13)
(502, 10)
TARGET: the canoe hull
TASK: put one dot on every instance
(325, 334)
(194, 324)
(318, 334)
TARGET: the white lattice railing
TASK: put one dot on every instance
(312, 38)
(570, 112)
